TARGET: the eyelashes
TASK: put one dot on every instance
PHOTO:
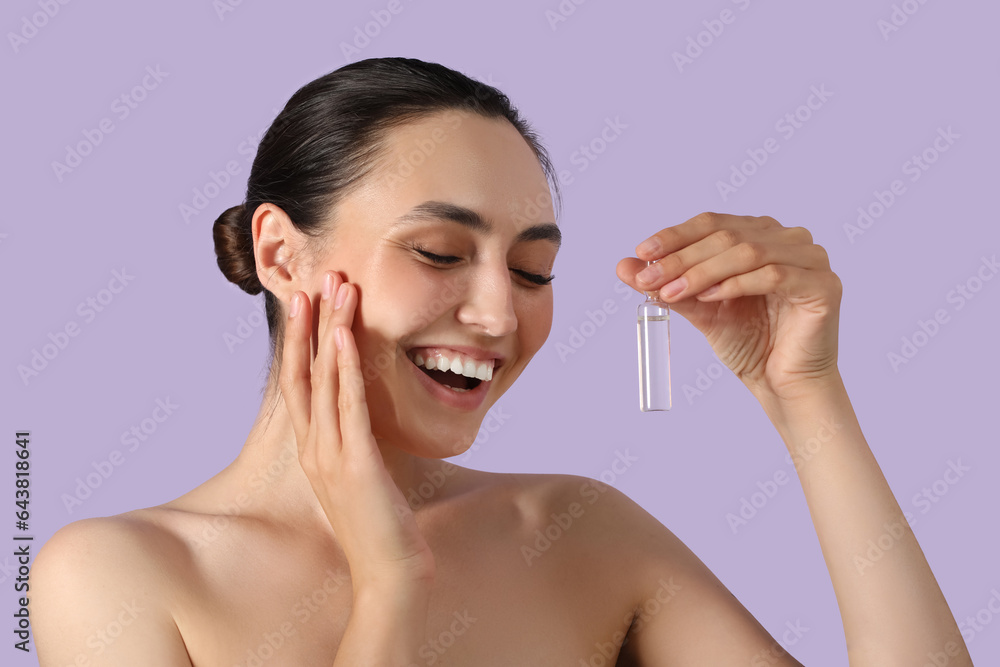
(446, 260)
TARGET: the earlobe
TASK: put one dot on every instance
(275, 249)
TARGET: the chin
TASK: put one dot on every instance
(425, 439)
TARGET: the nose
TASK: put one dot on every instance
(489, 303)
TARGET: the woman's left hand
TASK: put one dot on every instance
(773, 316)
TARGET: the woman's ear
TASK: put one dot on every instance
(279, 251)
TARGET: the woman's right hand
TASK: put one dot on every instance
(324, 392)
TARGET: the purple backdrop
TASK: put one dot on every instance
(873, 124)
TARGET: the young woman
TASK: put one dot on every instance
(406, 282)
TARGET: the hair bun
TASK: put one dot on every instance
(234, 249)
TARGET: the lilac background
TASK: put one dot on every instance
(228, 73)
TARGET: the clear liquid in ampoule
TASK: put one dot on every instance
(653, 318)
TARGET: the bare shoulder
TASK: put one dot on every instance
(591, 518)
(102, 590)
(606, 516)
(133, 545)
(683, 613)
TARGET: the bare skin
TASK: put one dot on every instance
(305, 551)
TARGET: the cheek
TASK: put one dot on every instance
(534, 319)
(392, 308)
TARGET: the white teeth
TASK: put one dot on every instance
(481, 370)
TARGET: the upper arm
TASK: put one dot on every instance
(96, 598)
(683, 614)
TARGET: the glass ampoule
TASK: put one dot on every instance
(653, 317)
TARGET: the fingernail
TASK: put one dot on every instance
(327, 286)
(296, 304)
(650, 246)
(711, 290)
(649, 274)
(674, 287)
(341, 296)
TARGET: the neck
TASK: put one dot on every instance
(267, 470)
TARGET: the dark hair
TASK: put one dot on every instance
(329, 137)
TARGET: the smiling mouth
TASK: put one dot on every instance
(457, 373)
(453, 380)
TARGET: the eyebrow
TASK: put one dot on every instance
(437, 210)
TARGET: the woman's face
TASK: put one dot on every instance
(460, 186)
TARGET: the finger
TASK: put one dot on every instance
(796, 284)
(354, 419)
(295, 358)
(748, 241)
(682, 282)
(325, 380)
(784, 249)
(679, 236)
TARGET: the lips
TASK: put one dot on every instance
(451, 389)
(449, 367)
(463, 351)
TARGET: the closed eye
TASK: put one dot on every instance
(449, 259)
